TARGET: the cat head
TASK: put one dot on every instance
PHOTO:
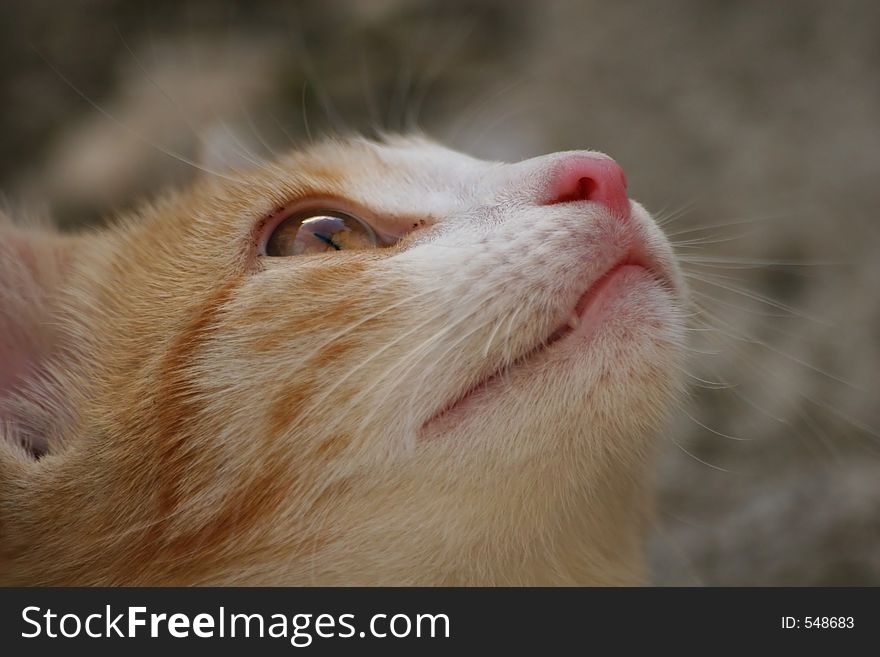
(361, 363)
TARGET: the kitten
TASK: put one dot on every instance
(366, 363)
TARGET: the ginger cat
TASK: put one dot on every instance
(365, 363)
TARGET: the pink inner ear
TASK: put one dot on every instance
(22, 354)
(16, 364)
(31, 268)
(20, 366)
(17, 276)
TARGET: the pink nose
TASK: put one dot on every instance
(590, 178)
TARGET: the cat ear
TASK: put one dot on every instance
(33, 265)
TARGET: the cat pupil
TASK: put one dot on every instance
(328, 239)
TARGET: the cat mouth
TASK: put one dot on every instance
(582, 321)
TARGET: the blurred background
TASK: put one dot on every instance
(751, 128)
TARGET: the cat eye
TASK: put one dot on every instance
(320, 232)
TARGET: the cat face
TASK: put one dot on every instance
(362, 364)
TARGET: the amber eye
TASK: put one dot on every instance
(306, 234)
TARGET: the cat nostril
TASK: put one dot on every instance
(586, 190)
(590, 178)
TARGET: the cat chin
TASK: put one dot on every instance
(624, 347)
